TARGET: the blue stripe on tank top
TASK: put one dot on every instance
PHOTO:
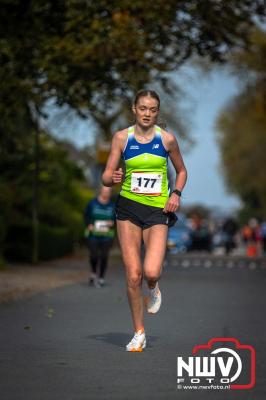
(134, 148)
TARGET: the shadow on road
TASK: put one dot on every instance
(119, 339)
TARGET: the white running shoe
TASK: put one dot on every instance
(138, 343)
(93, 281)
(101, 282)
(154, 301)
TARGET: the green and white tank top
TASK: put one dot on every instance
(146, 170)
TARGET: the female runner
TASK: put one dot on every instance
(144, 206)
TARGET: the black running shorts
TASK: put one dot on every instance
(142, 215)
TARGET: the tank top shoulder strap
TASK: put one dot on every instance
(130, 136)
(158, 130)
(130, 130)
(159, 136)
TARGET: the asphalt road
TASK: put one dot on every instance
(69, 343)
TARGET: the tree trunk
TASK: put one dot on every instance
(35, 202)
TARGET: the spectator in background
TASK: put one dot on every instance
(246, 234)
(230, 229)
(263, 235)
(256, 235)
(99, 218)
(252, 237)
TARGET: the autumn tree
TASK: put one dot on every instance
(86, 53)
(242, 130)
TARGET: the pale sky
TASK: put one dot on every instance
(207, 94)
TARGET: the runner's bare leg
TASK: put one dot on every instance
(155, 245)
(130, 238)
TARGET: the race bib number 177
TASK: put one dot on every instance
(146, 183)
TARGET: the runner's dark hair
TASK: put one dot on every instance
(147, 92)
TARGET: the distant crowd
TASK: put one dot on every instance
(227, 237)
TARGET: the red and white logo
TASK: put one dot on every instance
(222, 363)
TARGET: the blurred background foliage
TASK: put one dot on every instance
(92, 56)
(242, 130)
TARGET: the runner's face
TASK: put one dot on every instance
(105, 194)
(146, 111)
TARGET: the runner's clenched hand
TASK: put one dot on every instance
(172, 204)
(117, 176)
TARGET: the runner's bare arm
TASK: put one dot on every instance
(171, 145)
(111, 176)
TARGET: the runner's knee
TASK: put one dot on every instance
(152, 277)
(134, 280)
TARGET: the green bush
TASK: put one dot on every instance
(53, 242)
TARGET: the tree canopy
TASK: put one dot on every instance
(85, 53)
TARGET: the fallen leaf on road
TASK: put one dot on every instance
(27, 327)
(50, 312)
